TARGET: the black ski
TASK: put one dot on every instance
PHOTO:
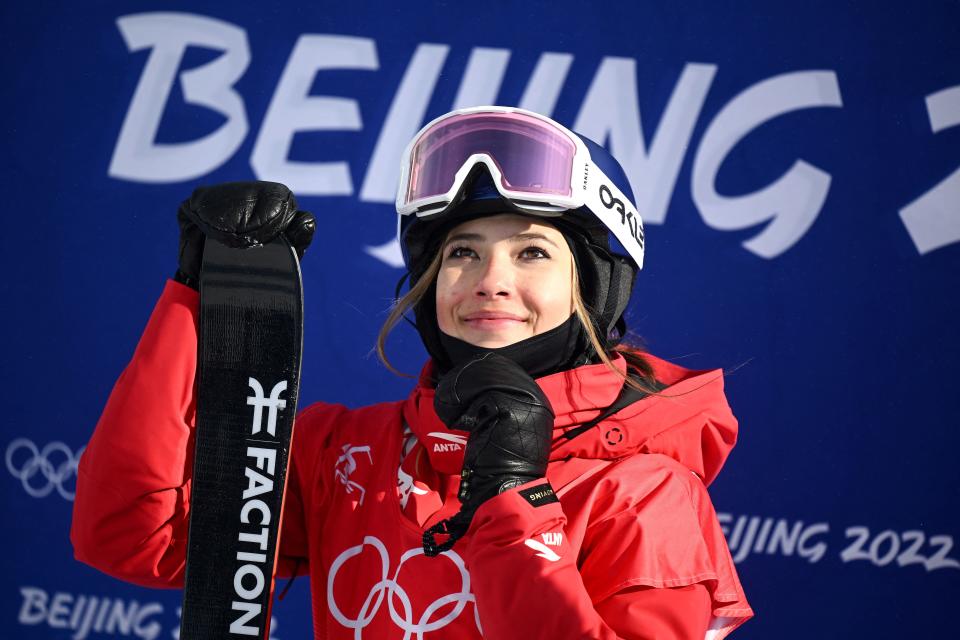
(251, 328)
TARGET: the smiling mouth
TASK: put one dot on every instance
(492, 320)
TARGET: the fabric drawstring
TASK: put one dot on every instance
(453, 527)
(293, 577)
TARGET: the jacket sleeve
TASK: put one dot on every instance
(130, 516)
(623, 582)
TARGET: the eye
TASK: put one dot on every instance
(534, 253)
(460, 251)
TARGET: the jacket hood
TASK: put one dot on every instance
(689, 420)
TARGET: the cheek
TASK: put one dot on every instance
(446, 299)
(552, 297)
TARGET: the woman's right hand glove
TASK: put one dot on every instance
(238, 214)
(510, 422)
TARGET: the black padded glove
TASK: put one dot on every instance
(238, 214)
(510, 422)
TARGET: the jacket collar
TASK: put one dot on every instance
(690, 420)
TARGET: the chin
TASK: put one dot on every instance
(493, 342)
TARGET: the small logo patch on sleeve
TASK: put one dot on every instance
(540, 495)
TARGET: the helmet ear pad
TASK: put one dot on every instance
(606, 282)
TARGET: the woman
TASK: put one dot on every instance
(539, 481)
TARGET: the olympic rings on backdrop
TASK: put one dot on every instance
(40, 473)
(390, 589)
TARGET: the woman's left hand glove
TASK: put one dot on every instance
(510, 422)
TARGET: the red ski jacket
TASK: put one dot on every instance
(632, 549)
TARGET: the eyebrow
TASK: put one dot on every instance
(464, 237)
(523, 237)
(477, 237)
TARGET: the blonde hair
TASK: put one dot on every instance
(642, 378)
(404, 303)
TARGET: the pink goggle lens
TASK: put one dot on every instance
(533, 156)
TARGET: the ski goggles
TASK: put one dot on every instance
(541, 167)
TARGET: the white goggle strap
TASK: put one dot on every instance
(615, 210)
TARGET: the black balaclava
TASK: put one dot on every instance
(563, 347)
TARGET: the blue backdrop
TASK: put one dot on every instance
(797, 168)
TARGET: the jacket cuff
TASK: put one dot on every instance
(175, 292)
(518, 514)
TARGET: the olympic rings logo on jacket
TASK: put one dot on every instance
(389, 590)
(43, 470)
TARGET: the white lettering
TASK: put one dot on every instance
(59, 607)
(813, 552)
(756, 534)
(250, 610)
(260, 539)
(546, 82)
(34, 607)
(257, 483)
(83, 627)
(793, 202)
(151, 630)
(904, 547)
(784, 540)
(83, 614)
(258, 581)
(611, 112)
(404, 119)
(933, 219)
(263, 456)
(264, 459)
(255, 505)
(273, 404)
(101, 615)
(137, 155)
(78, 610)
(762, 536)
(482, 78)
(121, 617)
(293, 109)
(744, 546)
(553, 538)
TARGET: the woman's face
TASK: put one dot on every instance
(502, 279)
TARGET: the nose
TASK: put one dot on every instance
(496, 277)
